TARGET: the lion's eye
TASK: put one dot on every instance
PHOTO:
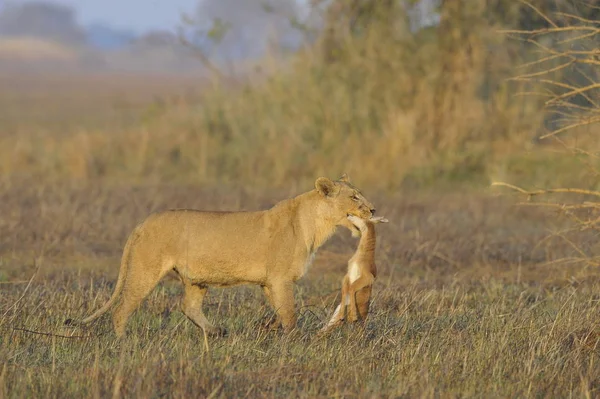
(355, 198)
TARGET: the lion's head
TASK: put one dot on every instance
(342, 199)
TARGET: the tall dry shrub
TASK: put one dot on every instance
(372, 97)
(567, 70)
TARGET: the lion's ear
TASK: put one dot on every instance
(344, 178)
(326, 187)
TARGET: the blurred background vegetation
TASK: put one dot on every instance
(411, 94)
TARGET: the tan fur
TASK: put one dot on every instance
(358, 281)
(271, 248)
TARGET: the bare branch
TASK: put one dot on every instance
(546, 71)
(533, 93)
(576, 91)
(549, 190)
(537, 32)
(541, 14)
(588, 61)
(576, 17)
(575, 247)
(587, 122)
(587, 205)
(51, 334)
(578, 37)
(573, 90)
(569, 114)
(540, 61)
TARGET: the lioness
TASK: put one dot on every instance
(272, 248)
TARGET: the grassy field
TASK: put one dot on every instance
(475, 296)
(468, 303)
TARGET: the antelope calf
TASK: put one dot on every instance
(358, 281)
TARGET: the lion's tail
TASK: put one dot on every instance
(119, 287)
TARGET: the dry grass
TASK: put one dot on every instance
(50, 106)
(473, 297)
(31, 49)
(467, 303)
(153, 128)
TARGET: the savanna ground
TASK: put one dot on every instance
(476, 296)
(467, 303)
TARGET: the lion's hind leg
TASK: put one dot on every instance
(192, 308)
(138, 284)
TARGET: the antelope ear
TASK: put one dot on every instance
(378, 219)
(326, 187)
(344, 178)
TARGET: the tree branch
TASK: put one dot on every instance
(51, 334)
(549, 190)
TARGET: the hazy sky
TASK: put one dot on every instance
(136, 15)
(142, 15)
